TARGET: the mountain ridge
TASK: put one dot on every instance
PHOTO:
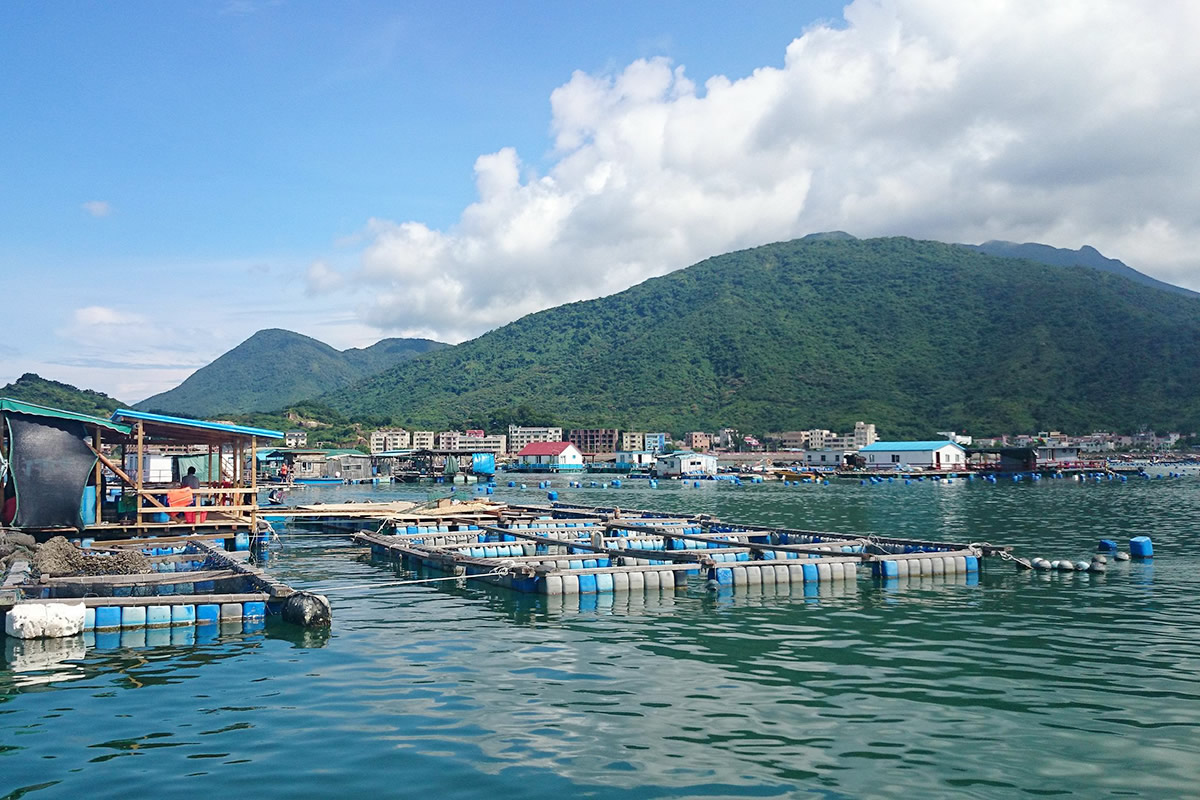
(275, 367)
(820, 332)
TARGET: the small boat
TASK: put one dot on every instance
(318, 481)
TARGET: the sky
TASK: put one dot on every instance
(177, 176)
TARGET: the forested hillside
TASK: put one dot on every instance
(32, 388)
(276, 367)
(915, 336)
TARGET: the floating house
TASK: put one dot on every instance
(685, 463)
(550, 457)
(942, 455)
(59, 462)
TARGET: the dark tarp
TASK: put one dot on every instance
(50, 463)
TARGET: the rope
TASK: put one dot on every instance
(499, 571)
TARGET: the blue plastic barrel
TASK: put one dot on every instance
(1141, 547)
(208, 614)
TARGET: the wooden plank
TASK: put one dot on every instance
(141, 579)
(161, 600)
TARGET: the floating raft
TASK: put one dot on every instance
(564, 550)
(192, 582)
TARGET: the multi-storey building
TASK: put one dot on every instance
(384, 440)
(864, 435)
(295, 439)
(422, 440)
(632, 441)
(656, 442)
(595, 440)
(697, 441)
(519, 436)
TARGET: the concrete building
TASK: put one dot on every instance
(295, 439)
(685, 463)
(423, 440)
(834, 458)
(941, 455)
(448, 440)
(479, 442)
(550, 457)
(632, 440)
(697, 441)
(394, 439)
(640, 459)
(656, 442)
(595, 440)
(864, 435)
(519, 436)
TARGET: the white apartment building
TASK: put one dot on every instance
(422, 440)
(384, 440)
(519, 436)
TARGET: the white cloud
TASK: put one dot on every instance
(92, 316)
(97, 208)
(1069, 123)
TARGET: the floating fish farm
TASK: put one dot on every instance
(574, 550)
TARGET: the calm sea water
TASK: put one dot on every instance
(1015, 685)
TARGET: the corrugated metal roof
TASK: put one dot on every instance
(32, 409)
(196, 424)
(901, 447)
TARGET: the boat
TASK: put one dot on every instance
(318, 481)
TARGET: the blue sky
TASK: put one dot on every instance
(174, 177)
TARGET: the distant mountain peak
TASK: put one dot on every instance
(829, 236)
(275, 367)
(1085, 256)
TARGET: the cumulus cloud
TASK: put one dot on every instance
(97, 208)
(1068, 123)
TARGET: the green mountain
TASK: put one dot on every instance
(1085, 256)
(32, 388)
(916, 336)
(276, 367)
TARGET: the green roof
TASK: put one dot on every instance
(34, 410)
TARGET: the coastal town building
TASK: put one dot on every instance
(864, 435)
(914, 455)
(656, 442)
(639, 459)
(685, 463)
(551, 457)
(633, 440)
(595, 440)
(295, 439)
(826, 458)
(393, 439)
(520, 435)
(423, 440)
(697, 441)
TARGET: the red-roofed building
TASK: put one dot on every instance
(550, 457)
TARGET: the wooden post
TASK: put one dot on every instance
(96, 440)
(141, 472)
(254, 485)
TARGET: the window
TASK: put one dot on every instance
(895, 458)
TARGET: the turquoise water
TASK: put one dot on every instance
(1018, 685)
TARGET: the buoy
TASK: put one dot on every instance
(1098, 566)
(1141, 547)
(1106, 546)
(1041, 564)
(1066, 566)
(1121, 556)
(1081, 566)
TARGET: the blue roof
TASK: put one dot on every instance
(125, 415)
(900, 447)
